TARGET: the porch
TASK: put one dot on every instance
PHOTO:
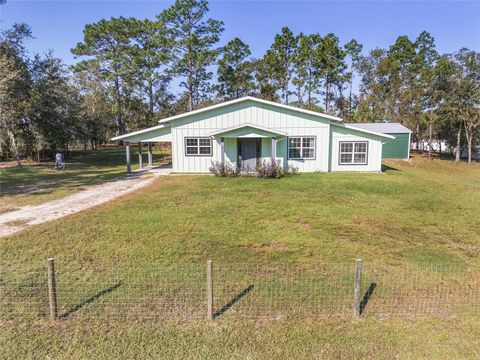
(246, 145)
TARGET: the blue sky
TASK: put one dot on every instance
(58, 25)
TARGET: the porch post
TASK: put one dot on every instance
(274, 151)
(150, 157)
(140, 160)
(127, 153)
(222, 151)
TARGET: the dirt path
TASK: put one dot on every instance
(14, 221)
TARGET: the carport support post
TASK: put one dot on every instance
(52, 289)
(358, 282)
(150, 157)
(274, 151)
(127, 152)
(210, 290)
(222, 151)
(140, 160)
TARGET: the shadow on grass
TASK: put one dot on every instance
(90, 300)
(84, 169)
(366, 297)
(232, 302)
(386, 168)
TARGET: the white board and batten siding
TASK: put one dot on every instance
(283, 120)
(260, 119)
(374, 151)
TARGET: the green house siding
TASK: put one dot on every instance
(396, 148)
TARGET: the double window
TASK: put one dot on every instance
(301, 147)
(353, 152)
(198, 146)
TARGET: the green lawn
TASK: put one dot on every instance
(38, 183)
(131, 272)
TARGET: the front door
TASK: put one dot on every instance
(249, 151)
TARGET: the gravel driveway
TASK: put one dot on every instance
(14, 221)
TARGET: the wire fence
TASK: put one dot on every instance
(237, 291)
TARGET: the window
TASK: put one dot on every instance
(301, 147)
(198, 146)
(353, 152)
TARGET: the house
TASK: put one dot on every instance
(398, 148)
(244, 131)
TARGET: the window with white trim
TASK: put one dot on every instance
(353, 152)
(198, 146)
(301, 147)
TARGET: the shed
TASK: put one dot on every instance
(398, 148)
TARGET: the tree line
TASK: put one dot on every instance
(131, 73)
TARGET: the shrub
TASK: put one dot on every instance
(265, 170)
(273, 170)
(223, 170)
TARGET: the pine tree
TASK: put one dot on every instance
(194, 41)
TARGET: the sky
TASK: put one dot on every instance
(58, 25)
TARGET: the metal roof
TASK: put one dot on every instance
(254, 99)
(386, 128)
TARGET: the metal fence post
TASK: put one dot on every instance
(357, 288)
(52, 289)
(210, 290)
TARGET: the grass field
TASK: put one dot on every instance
(416, 213)
(33, 184)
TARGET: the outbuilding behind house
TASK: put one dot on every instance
(398, 148)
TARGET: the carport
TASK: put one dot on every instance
(156, 134)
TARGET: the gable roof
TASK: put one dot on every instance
(248, 125)
(338, 121)
(386, 128)
(249, 98)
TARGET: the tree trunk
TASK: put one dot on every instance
(151, 99)
(470, 151)
(13, 141)
(119, 107)
(190, 82)
(285, 89)
(17, 157)
(459, 139)
(350, 101)
(469, 136)
(430, 126)
(327, 91)
(190, 98)
(430, 140)
(417, 142)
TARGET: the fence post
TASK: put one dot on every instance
(210, 290)
(52, 289)
(358, 282)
